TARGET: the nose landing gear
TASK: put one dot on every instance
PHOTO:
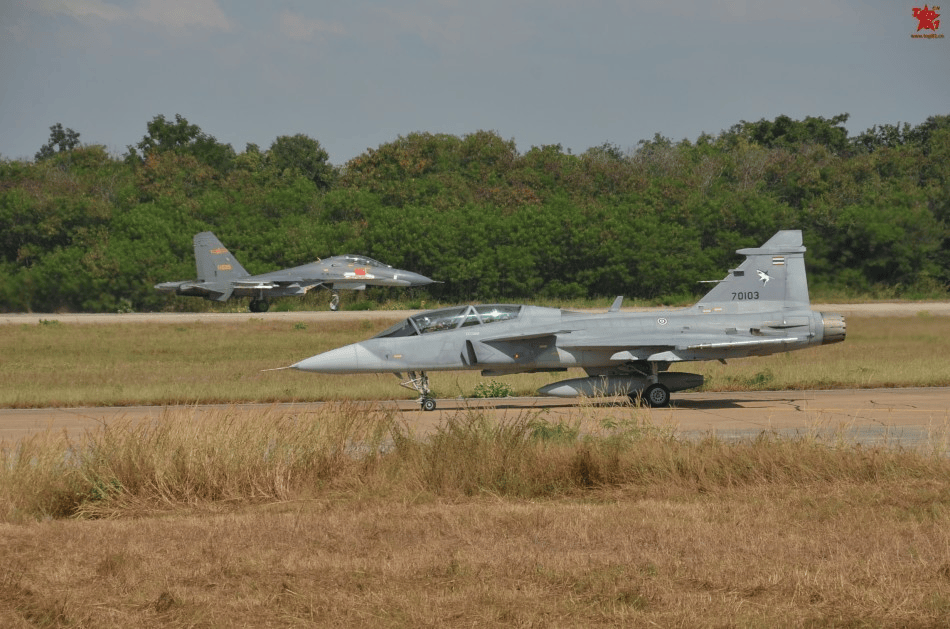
(419, 382)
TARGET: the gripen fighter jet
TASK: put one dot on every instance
(221, 276)
(760, 308)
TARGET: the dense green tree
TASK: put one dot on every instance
(924, 133)
(183, 138)
(60, 141)
(82, 230)
(297, 155)
(892, 136)
(891, 241)
(881, 136)
(785, 132)
(47, 206)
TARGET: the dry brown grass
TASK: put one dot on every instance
(346, 518)
(188, 456)
(778, 555)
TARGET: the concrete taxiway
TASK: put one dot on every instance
(902, 416)
(899, 415)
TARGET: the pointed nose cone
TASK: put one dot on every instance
(348, 359)
(406, 278)
(167, 287)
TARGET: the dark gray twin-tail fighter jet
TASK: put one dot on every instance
(221, 276)
(760, 308)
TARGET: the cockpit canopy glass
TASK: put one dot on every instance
(363, 261)
(452, 318)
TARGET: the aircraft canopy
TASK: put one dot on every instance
(452, 318)
(359, 261)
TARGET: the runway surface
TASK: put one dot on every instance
(873, 415)
(876, 309)
(895, 416)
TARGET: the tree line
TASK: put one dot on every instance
(83, 230)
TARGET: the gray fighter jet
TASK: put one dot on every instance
(221, 276)
(760, 308)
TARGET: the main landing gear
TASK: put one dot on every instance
(334, 301)
(654, 394)
(419, 382)
(259, 305)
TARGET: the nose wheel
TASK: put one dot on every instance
(335, 301)
(419, 382)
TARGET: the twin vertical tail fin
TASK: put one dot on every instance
(772, 277)
(216, 266)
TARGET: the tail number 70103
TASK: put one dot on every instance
(746, 296)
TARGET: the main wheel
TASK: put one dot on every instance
(656, 395)
(428, 404)
(259, 305)
(334, 302)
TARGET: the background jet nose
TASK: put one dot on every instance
(414, 279)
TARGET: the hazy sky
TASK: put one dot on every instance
(356, 74)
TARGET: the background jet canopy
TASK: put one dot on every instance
(363, 261)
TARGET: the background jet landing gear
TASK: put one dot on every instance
(335, 301)
(259, 305)
(420, 383)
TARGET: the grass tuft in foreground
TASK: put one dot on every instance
(187, 458)
(347, 517)
(225, 457)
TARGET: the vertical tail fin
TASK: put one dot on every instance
(772, 277)
(215, 263)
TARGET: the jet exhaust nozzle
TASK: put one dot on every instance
(834, 328)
